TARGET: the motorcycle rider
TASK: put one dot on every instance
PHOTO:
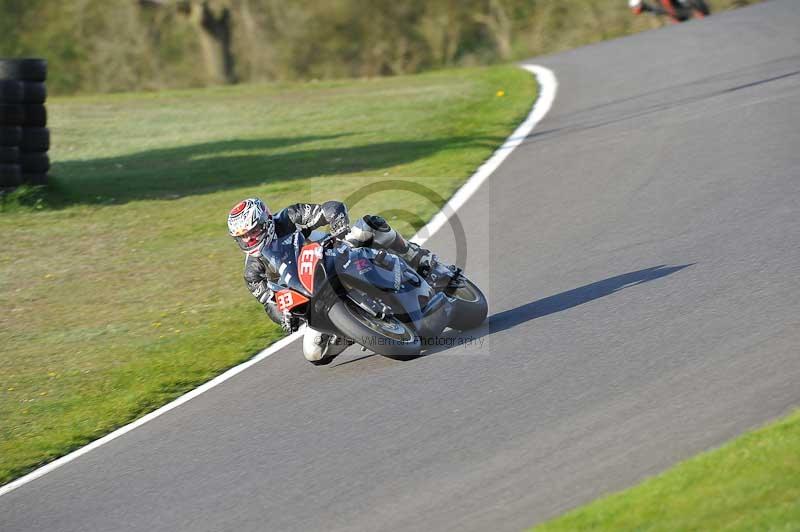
(676, 10)
(258, 233)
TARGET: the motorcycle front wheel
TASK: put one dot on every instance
(469, 308)
(389, 337)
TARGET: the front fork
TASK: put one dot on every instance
(445, 278)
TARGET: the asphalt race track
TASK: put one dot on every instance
(641, 252)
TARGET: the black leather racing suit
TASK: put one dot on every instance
(298, 217)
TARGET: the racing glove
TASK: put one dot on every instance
(289, 323)
(340, 225)
(267, 296)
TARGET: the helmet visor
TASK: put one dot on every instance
(253, 236)
(256, 237)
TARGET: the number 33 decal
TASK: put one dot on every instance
(288, 299)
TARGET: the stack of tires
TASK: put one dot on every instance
(24, 137)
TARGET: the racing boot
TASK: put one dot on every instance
(321, 348)
(418, 257)
(374, 231)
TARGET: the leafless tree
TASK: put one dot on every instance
(495, 19)
(214, 24)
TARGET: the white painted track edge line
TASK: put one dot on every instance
(548, 86)
(219, 379)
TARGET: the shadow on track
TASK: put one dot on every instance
(536, 309)
(362, 357)
(508, 319)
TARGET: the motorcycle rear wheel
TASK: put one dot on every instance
(388, 337)
(469, 308)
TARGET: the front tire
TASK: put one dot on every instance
(469, 308)
(390, 337)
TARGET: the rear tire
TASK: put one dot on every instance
(469, 308)
(390, 338)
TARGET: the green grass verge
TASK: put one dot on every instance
(751, 483)
(119, 286)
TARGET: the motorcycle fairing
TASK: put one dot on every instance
(308, 258)
(287, 299)
(314, 280)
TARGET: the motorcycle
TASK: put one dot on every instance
(372, 297)
(677, 10)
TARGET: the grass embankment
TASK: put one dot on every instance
(122, 289)
(751, 483)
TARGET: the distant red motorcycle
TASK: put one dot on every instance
(676, 10)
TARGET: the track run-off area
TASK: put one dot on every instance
(640, 249)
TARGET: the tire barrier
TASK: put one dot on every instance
(24, 137)
(11, 91)
(10, 175)
(9, 155)
(34, 162)
(34, 92)
(12, 114)
(34, 179)
(34, 139)
(23, 69)
(35, 115)
(10, 136)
